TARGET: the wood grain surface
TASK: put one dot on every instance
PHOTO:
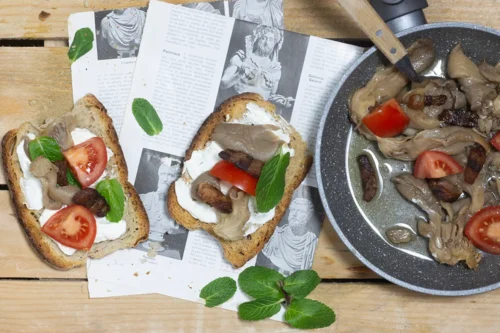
(63, 306)
(18, 260)
(323, 18)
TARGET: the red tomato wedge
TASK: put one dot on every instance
(435, 164)
(227, 171)
(87, 160)
(73, 226)
(483, 229)
(387, 120)
(495, 141)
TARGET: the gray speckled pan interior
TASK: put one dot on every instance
(361, 225)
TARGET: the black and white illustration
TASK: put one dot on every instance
(266, 12)
(155, 174)
(294, 241)
(216, 7)
(264, 60)
(119, 32)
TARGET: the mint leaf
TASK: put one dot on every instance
(112, 191)
(47, 147)
(261, 282)
(259, 309)
(146, 116)
(71, 179)
(308, 314)
(271, 184)
(301, 283)
(218, 291)
(82, 44)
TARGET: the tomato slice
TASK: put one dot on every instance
(87, 160)
(387, 120)
(435, 164)
(227, 171)
(73, 226)
(483, 229)
(495, 141)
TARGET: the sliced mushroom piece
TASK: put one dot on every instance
(462, 68)
(420, 120)
(489, 72)
(203, 178)
(258, 141)
(399, 235)
(230, 226)
(451, 140)
(44, 170)
(58, 129)
(477, 94)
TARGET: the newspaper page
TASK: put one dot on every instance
(107, 70)
(190, 61)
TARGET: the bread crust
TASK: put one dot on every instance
(241, 251)
(90, 110)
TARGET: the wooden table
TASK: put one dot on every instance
(34, 297)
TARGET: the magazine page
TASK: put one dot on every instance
(189, 63)
(107, 70)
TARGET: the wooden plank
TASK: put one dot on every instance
(18, 259)
(34, 82)
(323, 18)
(52, 306)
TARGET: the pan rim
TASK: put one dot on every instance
(317, 163)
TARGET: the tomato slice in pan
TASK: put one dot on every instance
(87, 160)
(227, 171)
(73, 226)
(387, 120)
(435, 164)
(495, 141)
(483, 229)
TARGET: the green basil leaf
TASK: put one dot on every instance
(301, 283)
(112, 191)
(271, 184)
(308, 314)
(259, 309)
(47, 147)
(261, 282)
(82, 44)
(146, 116)
(218, 291)
(71, 179)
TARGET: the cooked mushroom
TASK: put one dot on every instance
(203, 178)
(387, 83)
(462, 68)
(399, 235)
(58, 129)
(491, 73)
(451, 140)
(420, 120)
(53, 195)
(230, 226)
(258, 141)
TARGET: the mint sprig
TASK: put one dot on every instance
(271, 290)
(218, 291)
(261, 282)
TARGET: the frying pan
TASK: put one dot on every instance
(361, 225)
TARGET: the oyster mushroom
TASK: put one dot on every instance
(230, 226)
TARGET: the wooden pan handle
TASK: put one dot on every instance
(375, 28)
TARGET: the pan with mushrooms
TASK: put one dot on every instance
(443, 129)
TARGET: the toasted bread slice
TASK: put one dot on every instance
(239, 252)
(92, 115)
